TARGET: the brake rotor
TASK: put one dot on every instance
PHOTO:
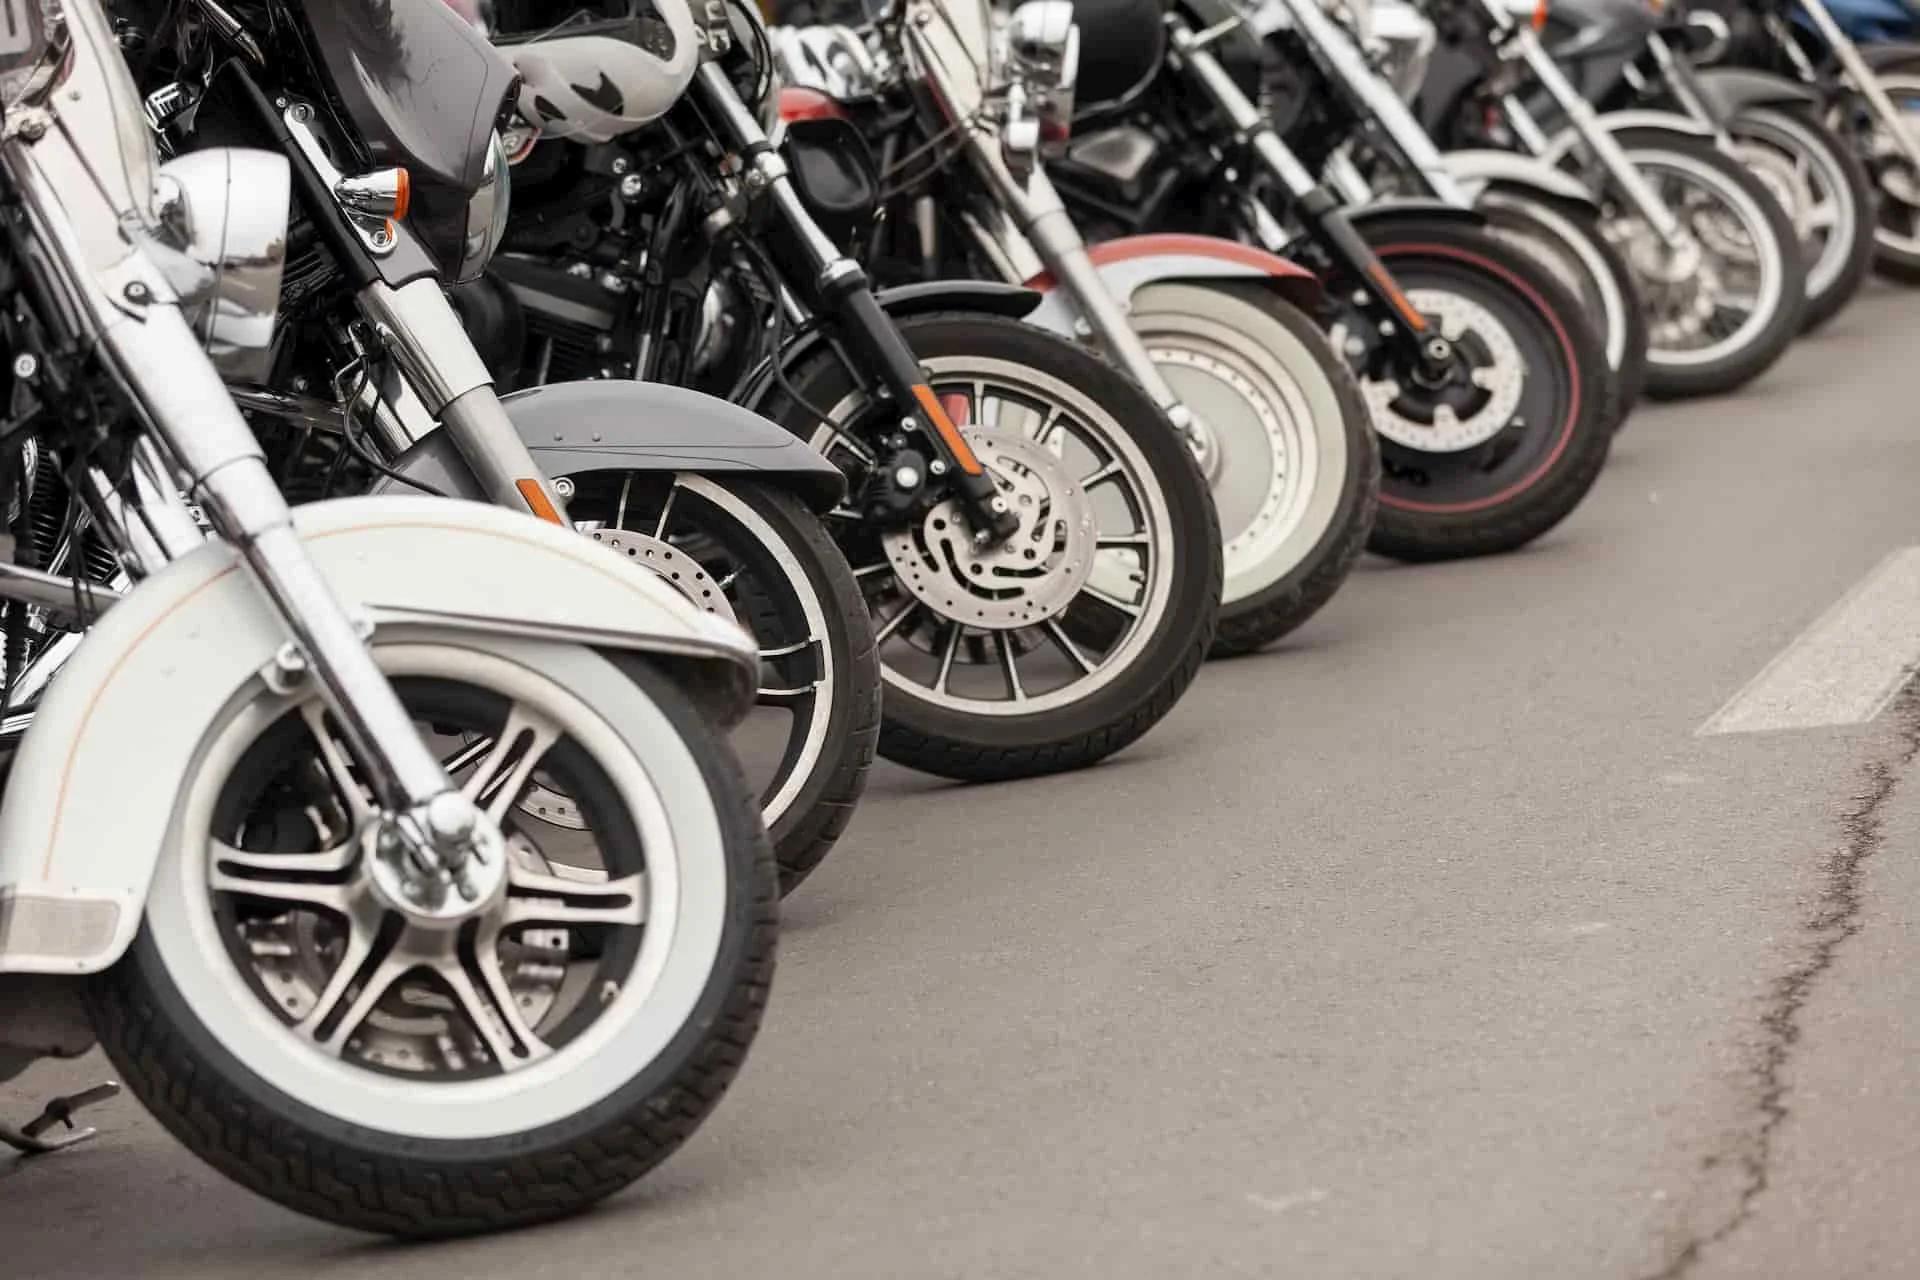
(1498, 375)
(1027, 579)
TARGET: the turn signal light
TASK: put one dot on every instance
(384, 193)
(1540, 15)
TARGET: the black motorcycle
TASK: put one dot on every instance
(1037, 548)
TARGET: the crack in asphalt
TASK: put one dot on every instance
(1835, 917)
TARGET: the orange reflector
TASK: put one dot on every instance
(956, 443)
(538, 502)
(1409, 314)
(402, 194)
(1539, 14)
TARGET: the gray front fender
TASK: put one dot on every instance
(578, 427)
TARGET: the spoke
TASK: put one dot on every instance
(331, 1033)
(1114, 541)
(267, 875)
(466, 756)
(946, 657)
(496, 789)
(1008, 665)
(897, 621)
(1068, 647)
(870, 570)
(666, 512)
(1112, 602)
(1048, 426)
(359, 809)
(1104, 474)
(620, 512)
(535, 898)
(791, 695)
(492, 1012)
(1824, 215)
(787, 650)
(1742, 302)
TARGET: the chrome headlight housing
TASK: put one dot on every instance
(1407, 38)
(487, 212)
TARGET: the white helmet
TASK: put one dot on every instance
(595, 88)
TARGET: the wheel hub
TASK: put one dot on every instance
(1474, 404)
(1260, 437)
(427, 896)
(1027, 579)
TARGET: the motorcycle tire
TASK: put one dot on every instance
(1769, 329)
(1818, 179)
(1149, 609)
(321, 1048)
(756, 556)
(1532, 448)
(1291, 462)
(1568, 242)
(1896, 234)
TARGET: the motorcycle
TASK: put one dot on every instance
(1036, 546)
(1222, 337)
(1485, 383)
(1335, 54)
(370, 361)
(1869, 92)
(1770, 122)
(1715, 257)
(260, 839)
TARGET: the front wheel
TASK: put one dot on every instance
(1569, 243)
(1826, 192)
(305, 1016)
(1896, 234)
(1505, 445)
(757, 557)
(1290, 454)
(1074, 637)
(1723, 307)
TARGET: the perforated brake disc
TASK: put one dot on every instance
(1027, 579)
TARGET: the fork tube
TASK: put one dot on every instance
(454, 385)
(1040, 213)
(1586, 122)
(1376, 99)
(1861, 76)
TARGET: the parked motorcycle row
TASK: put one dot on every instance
(940, 383)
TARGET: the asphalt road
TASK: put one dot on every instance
(1433, 944)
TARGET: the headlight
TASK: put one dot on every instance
(487, 212)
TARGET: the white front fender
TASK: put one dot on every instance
(93, 787)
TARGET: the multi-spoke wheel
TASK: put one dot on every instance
(1499, 445)
(1076, 635)
(1723, 306)
(756, 556)
(369, 1045)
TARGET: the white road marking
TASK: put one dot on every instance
(1280, 1204)
(1846, 667)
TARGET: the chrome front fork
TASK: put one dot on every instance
(207, 447)
(1861, 77)
(1376, 99)
(1580, 114)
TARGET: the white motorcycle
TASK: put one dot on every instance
(266, 838)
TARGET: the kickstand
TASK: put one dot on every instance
(27, 1140)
